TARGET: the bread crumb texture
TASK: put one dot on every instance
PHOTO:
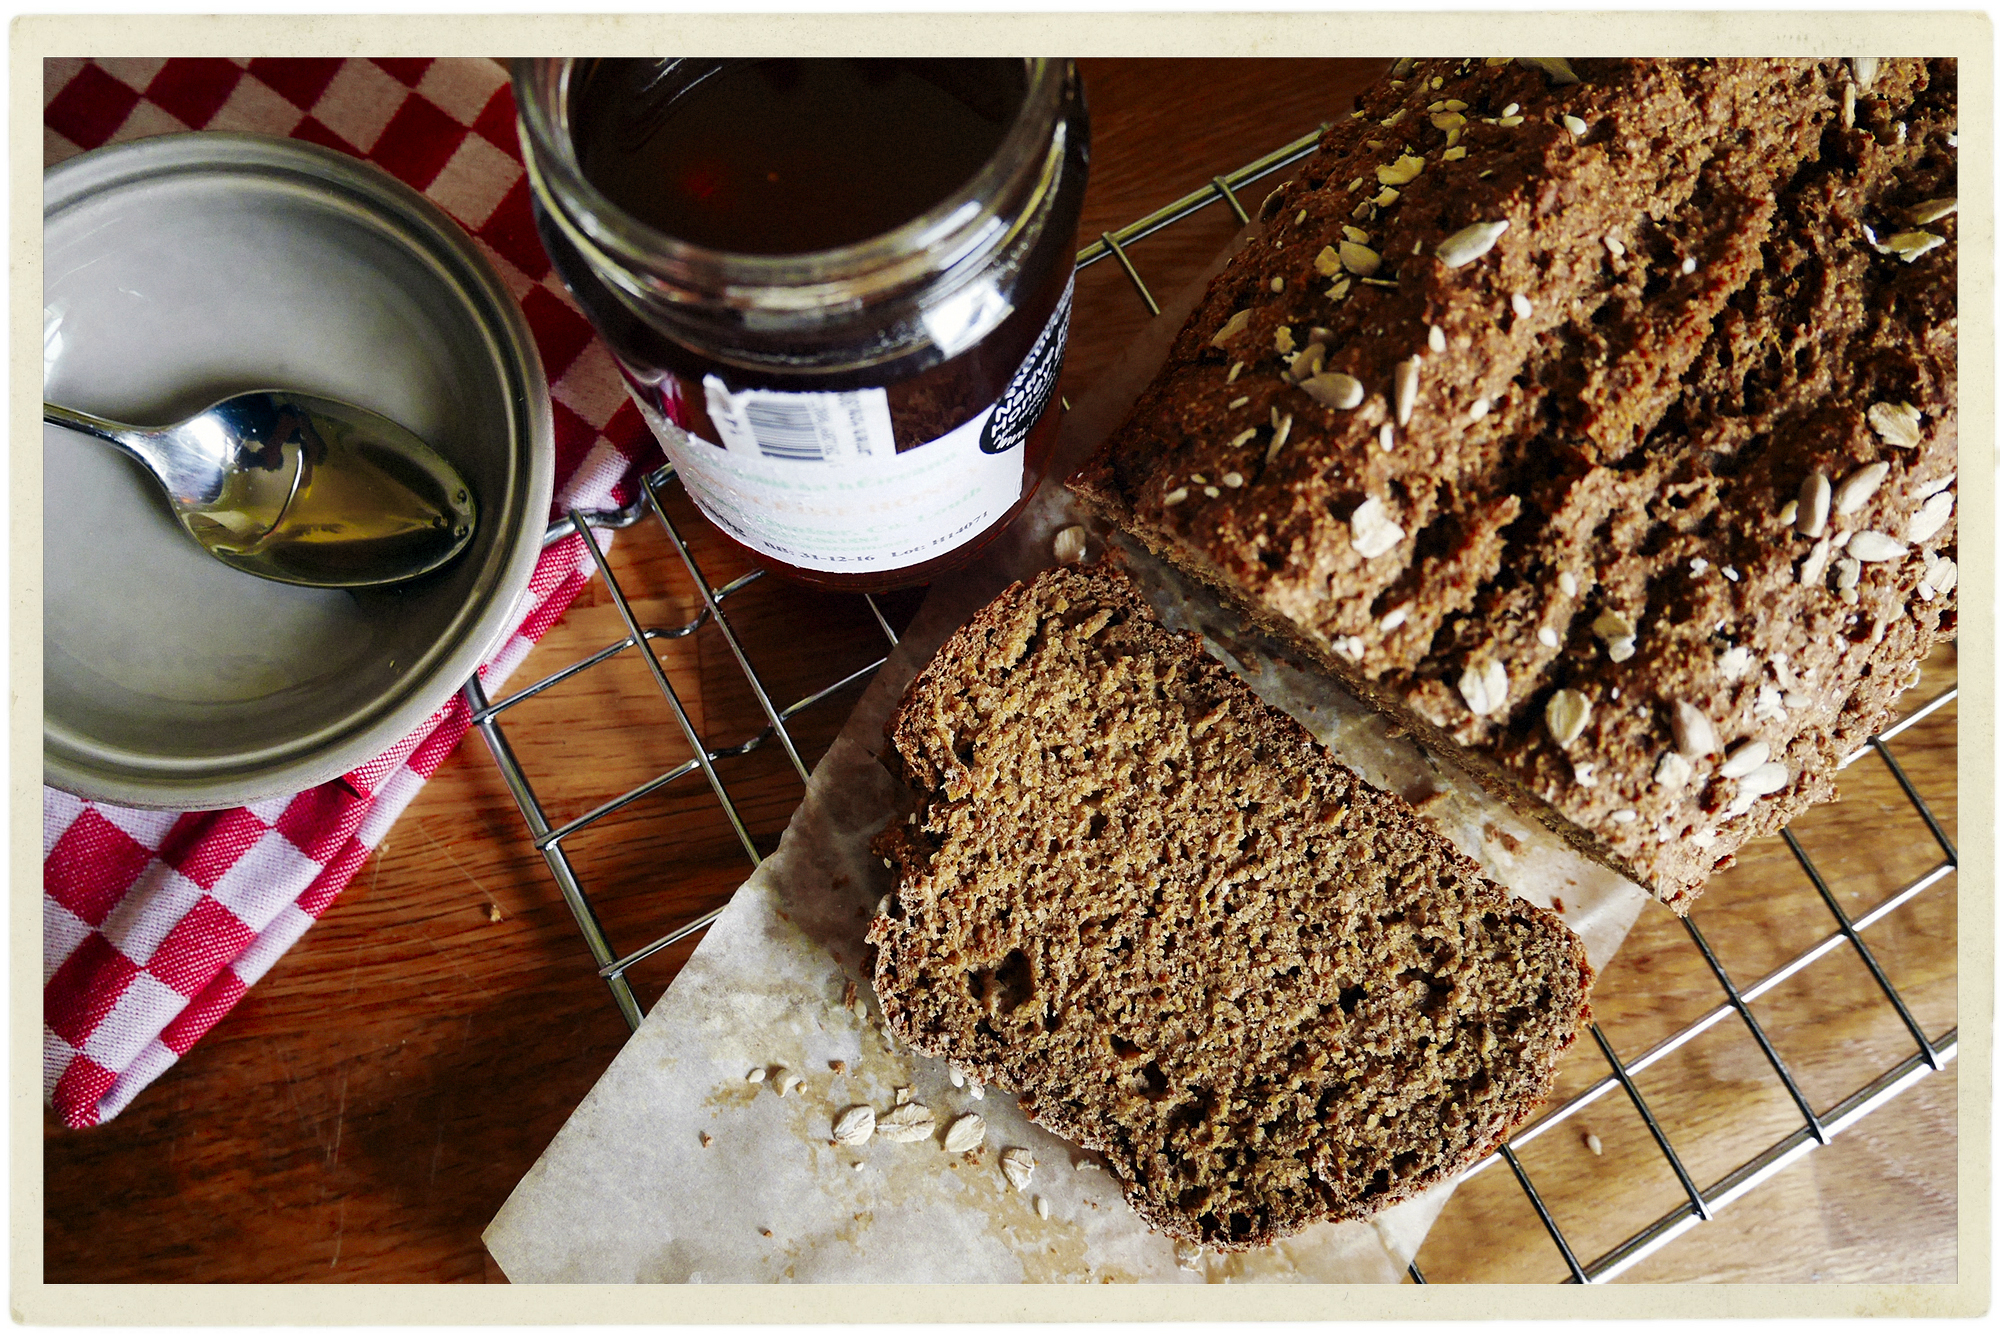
(1643, 394)
(1155, 908)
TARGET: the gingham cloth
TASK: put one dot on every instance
(155, 924)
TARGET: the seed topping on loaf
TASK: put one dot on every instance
(1627, 376)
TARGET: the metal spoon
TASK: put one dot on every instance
(301, 489)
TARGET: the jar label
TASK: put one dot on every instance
(814, 479)
(1028, 393)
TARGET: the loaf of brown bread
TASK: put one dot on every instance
(1598, 420)
(1150, 904)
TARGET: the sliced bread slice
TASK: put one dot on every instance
(1152, 906)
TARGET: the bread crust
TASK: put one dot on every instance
(1573, 455)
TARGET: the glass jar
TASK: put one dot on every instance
(845, 344)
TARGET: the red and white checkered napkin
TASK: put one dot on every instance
(154, 924)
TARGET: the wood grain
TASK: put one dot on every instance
(364, 1111)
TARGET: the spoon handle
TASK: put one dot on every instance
(100, 427)
(135, 442)
(131, 440)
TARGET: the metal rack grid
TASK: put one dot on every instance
(1817, 1128)
(613, 967)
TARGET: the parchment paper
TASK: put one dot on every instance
(630, 1192)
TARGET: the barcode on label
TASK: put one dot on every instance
(793, 427)
(783, 430)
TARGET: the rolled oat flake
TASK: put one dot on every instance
(1018, 1166)
(855, 1125)
(1925, 524)
(968, 1132)
(906, 1124)
(1565, 714)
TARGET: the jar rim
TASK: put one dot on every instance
(969, 220)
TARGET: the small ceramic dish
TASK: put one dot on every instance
(180, 270)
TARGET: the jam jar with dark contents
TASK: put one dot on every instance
(838, 288)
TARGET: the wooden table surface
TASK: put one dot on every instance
(366, 1109)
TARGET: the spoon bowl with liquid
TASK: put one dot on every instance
(301, 489)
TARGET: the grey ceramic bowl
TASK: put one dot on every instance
(180, 270)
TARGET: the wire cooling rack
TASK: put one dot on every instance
(1817, 1125)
